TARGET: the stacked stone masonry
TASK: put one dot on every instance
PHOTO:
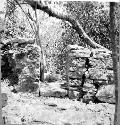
(98, 83)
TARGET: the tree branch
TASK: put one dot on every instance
(74, 22)
(25, 15)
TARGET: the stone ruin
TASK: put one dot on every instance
(91, 82)
(20, 63)
(90, 74)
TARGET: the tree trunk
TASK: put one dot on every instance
(42, 54)
(67, 73)
(2, 24)
(1, 121)
(116, 67)
(74, 22)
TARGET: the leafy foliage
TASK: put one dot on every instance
(94, 17)
(16, 22)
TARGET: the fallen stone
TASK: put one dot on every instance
(106, 93)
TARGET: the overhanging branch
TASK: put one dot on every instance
(74, 22)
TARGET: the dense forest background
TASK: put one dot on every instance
(56, 34)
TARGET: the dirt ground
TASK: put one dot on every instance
(30, 109)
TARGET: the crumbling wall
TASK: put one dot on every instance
(91, 71)
(21, 63)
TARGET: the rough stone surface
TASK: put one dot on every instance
(21, 58)
(99, 73)
(106, 93)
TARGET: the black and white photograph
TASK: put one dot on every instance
(60, 62)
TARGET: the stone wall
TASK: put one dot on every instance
(21, 63)
(91, 70)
